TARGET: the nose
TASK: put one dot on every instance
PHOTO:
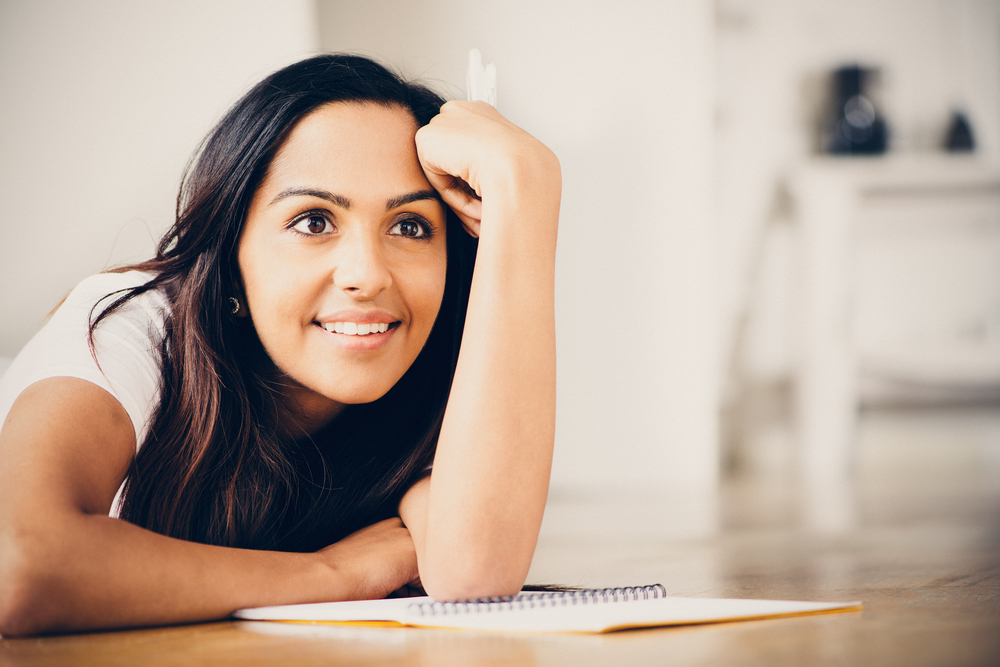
(360, 267)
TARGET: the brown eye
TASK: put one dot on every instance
(409, 228)
(313, 225)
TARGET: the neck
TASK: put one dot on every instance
(307, 411)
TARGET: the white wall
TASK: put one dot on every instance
(102, 104)
(623, 93)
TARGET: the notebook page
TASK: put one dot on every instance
(586, 617)
(393, 609)
(606, 617)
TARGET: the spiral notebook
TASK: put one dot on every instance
(590, 611)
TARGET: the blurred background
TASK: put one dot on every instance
(779, 250)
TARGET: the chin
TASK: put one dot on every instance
(347, 394)
(360, 398)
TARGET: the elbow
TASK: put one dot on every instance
(478, 567)
(472, 580)
(26, 602)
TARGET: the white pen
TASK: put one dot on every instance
(481, 82)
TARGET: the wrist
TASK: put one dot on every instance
(322, 577)
(532, 171)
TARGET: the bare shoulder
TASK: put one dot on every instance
(65, 444)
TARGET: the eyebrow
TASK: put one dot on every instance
(420, 195)
(345, 203)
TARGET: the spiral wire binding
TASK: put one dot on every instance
(540, 600)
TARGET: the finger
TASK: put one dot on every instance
(466, 205)
(461, 198)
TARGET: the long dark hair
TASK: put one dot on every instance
(219, 465)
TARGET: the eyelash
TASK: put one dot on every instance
(425, 225)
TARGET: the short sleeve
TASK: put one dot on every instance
(126, 344)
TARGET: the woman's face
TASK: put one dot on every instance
(343, 256)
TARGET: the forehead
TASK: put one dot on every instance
(349, 146)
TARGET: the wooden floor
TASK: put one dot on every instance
(915, 535)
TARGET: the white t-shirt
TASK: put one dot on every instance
(126, 344)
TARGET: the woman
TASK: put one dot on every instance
(288, 368)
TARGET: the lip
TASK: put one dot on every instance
(366, 343)
(358, 317)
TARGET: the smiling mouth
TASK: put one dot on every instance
(355, 329)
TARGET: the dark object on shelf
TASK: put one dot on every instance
(959, 137)
(855, 127)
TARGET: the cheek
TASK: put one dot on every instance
(422, 289)
(272, 302)
(433, 290)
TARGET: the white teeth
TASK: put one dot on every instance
(355, 329)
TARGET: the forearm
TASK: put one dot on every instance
(84, 572)
(486, 495)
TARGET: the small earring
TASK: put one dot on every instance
(234, 305)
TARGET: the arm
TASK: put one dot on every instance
(475, 520)
(65, 565)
